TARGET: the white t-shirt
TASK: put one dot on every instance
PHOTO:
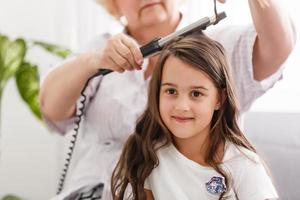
(116, 101)
(179, 178)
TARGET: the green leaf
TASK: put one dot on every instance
(27, 79)
(3, 42)
(55, 49)
(11, 197)
(11, 56)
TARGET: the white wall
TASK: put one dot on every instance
(28, 163)
(276, 136)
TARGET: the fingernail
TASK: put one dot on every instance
(140, 62)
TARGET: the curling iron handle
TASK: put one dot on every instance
(147, 50)
(103, 72)
(151, 48)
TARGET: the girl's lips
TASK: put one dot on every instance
(182, 119)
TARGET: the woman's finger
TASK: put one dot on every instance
(135, 50)
(126, 54)
(114, 66)
(222, 1)
(121, 60)
(263, 3)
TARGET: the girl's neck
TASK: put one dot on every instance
(197, 148)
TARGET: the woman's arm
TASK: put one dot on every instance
(276, 37)
(62, 87)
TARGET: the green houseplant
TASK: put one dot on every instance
(11, 197)
(13, 64)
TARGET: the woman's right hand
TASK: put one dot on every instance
(119, 54)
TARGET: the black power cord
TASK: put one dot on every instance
(74, 137)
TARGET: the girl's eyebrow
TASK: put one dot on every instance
(168, 84)
(192, 87)
(199, 87)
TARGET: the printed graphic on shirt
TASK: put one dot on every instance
(94, 193)
(216, 185)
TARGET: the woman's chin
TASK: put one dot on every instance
(154, 20)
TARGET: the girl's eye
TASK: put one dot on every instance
(196, 94)
(171, 91)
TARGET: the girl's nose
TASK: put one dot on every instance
(182, 104)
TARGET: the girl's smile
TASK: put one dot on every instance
(181, 119)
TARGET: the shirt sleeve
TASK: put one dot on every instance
(254, 183)
(239, 42)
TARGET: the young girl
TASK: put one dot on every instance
(187, 145)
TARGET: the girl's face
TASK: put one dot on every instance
(141, 13)
(188, 99)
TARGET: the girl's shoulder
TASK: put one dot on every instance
(235, 153)
(243, 164)
(251, 176)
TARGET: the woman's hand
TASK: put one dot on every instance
(119, 54)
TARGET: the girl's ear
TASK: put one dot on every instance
(217, 107)
(221, 99)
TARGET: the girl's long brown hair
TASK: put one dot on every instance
(139, 157)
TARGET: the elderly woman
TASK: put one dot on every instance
(114, 102)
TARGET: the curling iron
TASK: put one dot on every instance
(156, 45)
